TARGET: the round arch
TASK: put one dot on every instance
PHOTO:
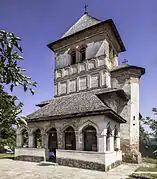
(90, 138)
(88, 123)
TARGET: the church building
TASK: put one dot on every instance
(93, 120)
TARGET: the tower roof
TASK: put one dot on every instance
(87, 22)
(84, 22)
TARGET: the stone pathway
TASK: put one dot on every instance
(10, 169)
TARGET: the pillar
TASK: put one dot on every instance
(102, 141)
(118, 142)
(60, 139)
(19, 140)
(44, 140)
(77, 140)
(111, 143)
(31, 140)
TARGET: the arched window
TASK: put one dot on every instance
(73, 57)
(37, 138)
(25, 138)
(90, 138)
(82, 54)
(109, 133)
(70, 141)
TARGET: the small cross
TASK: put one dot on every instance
(85, 9)
(125, 61)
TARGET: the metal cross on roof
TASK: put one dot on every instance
(125, 61)
(85, 9)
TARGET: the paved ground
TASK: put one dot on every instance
(10, 169)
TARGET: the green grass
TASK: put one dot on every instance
(150, 160)
(143, 176)
(6, 156)
(146, 169)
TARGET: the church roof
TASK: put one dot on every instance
(73, 105)
(120, 92)
(84, 22)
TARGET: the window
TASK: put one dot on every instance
(73, 57)
(82, 54)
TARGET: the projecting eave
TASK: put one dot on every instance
(126, 66)
(110, 22)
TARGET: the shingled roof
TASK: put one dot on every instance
(84, 22)
(78, 104)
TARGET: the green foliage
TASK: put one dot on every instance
(12, 75)
(6, 156)
(144, 135)
(152, 123)
(149, 160)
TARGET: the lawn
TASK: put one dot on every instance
(146, 168)
(150, 160)
(5, 156)
(143, 176)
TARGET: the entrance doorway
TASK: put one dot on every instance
(52, 143)
(70, 141)
(90, 139)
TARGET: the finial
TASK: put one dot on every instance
(125, 61)
(85, 9)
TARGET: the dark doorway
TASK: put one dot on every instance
(90, 139)
(70, 141)
(52, 143)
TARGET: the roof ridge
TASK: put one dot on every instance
(83, 22)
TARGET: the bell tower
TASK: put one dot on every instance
(85, 54)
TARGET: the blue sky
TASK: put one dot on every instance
(41, 22)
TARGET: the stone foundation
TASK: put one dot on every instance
(86, 164)
(81, 164)
(132, 157)
(29, 158)
(88, 159)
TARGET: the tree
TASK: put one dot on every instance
(12, 75)
(152, 123)
(144, 135)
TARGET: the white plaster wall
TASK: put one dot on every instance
(81, 155)
(93, 48)
(134, 115)
(38, 152)
(111, 157)
(106, 158)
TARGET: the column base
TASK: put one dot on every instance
(132, 157)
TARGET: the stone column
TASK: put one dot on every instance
(81, 141)
(31, 140)
(111, 143)
(77, 140)
(44, 140)
(117, 141)
(19, 139)
(60, 139)
(102, 141)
